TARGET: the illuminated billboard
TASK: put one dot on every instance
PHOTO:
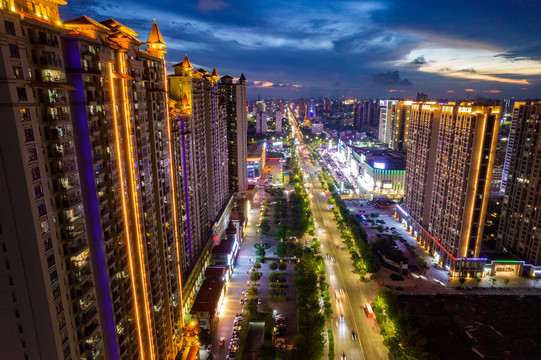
(379, 165)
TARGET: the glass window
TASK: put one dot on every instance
(53, 276)
(45, 227)
(29, 135)
(42, 209)
(50, 260)
(25, 114)
(36, 173)
(32, 154)
(21, 93)
(10, 27)
(18, 72)
(38, 190)
(14, 51)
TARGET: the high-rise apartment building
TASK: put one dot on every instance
(261, 123)
(87, 229)
(279, 115)
(386, 115)
(234, 96)
(450, 158)
(520, 222)
(310, 112)
(394, 123)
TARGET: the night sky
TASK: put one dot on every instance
(336, 48)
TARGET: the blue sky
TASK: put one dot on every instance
(364, 49)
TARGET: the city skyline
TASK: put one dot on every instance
(352, 49)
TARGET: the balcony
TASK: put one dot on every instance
(89, 315)
(71, 200)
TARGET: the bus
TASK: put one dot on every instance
(369, 311)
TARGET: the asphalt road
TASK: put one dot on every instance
(369, 343)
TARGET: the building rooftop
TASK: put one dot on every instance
(215, 271)
(225, 247)
(254, 150)
(386, 163)
(208, 296)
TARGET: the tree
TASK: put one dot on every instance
(285, 249)
(255, 276)
(273, 266)
(462, 280)
(257, 266)
(260, 252)
(282, 266)
(264, 227)
(267, 351)
(253, 291)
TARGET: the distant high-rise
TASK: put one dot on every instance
(279, 114)
(261, 123)
(386, 116)
(520, 221)
(310, 112)
(450, 157)
(234, 96)
(86, 221)
(301, 109)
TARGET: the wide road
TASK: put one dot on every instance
(343, 275)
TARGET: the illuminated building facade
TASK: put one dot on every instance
(93, 206)
(520, 221)
(394, 121)
(190, 91)
(447, 187)
(234, 97)
(310, 112)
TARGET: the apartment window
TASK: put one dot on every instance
(4, 248)
(25, 114)
(48, 244)
(10, 27)
(21, 93)
(67, 352)
(23, 344)
(56, 292)
(64, 337)
(14, 51)
(61, 322)
(17, 313)
(20, 329)
(38, 191)
(50, 260)
(18, 72)
(32, 154)
(44, 226)
(53, 276)
(14, 297)
(29, 135)
(35, 173)
(59, 308)
(7, 265)
(42, 209)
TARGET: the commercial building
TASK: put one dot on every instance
(450, 158)
(520, 221)
(255, 162)
(310, 112)
(86, 226)
(234, 97)
(317, 128)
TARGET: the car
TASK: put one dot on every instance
(341, 317)
(221, 342)
(242, 301)
(333, 259)
(353, 335)
(343, 357)
(327, 255)
(258, 301)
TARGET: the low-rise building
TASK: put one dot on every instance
(255, 162)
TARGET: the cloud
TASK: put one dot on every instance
(420, 60)
(523, 88)
(451, 91)
(389, 79)
(469, 90)
(492, 91)
(269, 84)
(453, 59)
(393, 90)
(205, 5)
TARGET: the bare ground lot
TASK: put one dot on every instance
(498, 327)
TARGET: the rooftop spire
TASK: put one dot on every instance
(186, 64)
(242, 79)
(155, 36)
(155, 42)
